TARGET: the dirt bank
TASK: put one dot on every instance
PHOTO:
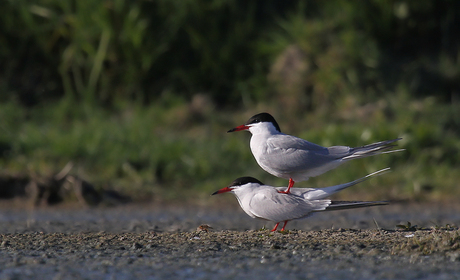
(357, 254)
(158, 242)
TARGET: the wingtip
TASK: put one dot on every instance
(343, 205)
(377, 203)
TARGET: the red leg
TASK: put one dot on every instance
(285, 222)
(291, 183)
(276, 226)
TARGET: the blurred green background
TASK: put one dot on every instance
(139, 94)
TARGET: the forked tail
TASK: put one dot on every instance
(378, 148)
(322, 193)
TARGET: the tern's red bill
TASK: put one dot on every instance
(223, 190)
(239, 128)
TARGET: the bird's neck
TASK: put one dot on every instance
(263, 129)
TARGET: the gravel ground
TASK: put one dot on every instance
(139, 242)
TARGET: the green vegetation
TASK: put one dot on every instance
(139, 94)
(407, 227)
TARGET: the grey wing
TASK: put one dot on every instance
(273, 206)
(293, 154)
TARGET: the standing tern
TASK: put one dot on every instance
(296, 159)
(266, 202)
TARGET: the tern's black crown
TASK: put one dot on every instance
(264, 117)
(245, 180)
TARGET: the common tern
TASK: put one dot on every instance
(296, 159)
(266, 202)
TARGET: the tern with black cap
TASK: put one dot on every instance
(266, 202)
(296, 159)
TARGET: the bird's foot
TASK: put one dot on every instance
(276, 226)
(288, 191)
(285, 222)
(285, 192)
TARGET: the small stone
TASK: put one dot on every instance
(204, 228)
(136, 246)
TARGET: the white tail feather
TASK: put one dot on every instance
(314, 194)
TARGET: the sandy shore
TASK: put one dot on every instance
(325, 254)
(152, 243)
